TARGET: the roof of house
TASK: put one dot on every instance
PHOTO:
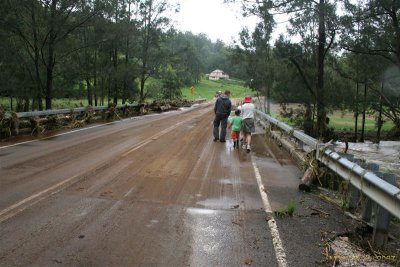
(217, 71)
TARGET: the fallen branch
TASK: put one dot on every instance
(319, 211)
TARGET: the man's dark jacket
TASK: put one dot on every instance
(223, 106)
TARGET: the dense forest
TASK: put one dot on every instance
(337, 55)
(102, 50)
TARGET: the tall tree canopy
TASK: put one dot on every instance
(331, 52)
(104, 50)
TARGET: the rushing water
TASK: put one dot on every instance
(386, 154)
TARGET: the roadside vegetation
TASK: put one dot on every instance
(106, 53)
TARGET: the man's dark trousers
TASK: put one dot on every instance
(223, 120)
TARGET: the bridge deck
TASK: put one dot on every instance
(156, 191)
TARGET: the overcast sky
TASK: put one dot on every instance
(212, 17)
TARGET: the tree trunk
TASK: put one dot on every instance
(268, 100)
(379, 122)
(364, 111)
(50, 58)
(265, 104)
(115, 76)
(126, 85)
(33, 103)
(102, 91)
(95, 79)
(307, 179)
(49, 84)
(26, 104)
(36, 58)
(109, 88)
(308, 120)
(89, 91)
(142, 82)
(321, 113)
(356, 114)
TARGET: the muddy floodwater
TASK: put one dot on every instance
(386, 154)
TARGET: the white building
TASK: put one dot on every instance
(218, 74)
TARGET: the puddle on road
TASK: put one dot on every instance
(210, 233)
(218, 203)
(258, 146)
(197, 211)
(227, 181)
(152, 223)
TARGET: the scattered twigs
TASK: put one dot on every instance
(319, 211)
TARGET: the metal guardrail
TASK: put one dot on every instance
(65, 111)
(383, 193)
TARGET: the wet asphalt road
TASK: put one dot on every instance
(153, 191)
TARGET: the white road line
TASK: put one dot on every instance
(276, 240)
(16, 208)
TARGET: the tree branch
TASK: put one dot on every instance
(330, 43)
(303, 76)
(377, 52)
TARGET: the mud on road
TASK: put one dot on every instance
(155, 191)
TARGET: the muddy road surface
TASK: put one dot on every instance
(153, 191)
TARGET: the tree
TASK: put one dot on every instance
(371, 31)
(42, 27)
(171, 83)
(317, 17)
(152, 22)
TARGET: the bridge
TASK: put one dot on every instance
(156, 190)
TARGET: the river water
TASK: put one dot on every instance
(386, 154)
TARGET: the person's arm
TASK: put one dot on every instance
(215, 106)
(230, 106)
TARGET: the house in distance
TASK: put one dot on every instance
(217, 75)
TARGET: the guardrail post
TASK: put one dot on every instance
(370, 209)
(298, 145)
(382, 221)
(353, 195)
(367, 211)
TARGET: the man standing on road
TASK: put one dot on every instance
(222, 110)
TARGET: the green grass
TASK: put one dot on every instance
(68, 103)
(340, 123)
(56, 103)
(206, 89)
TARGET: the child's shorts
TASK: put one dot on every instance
(235, 134)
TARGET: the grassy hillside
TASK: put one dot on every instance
(206, 89)
(342, 120)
